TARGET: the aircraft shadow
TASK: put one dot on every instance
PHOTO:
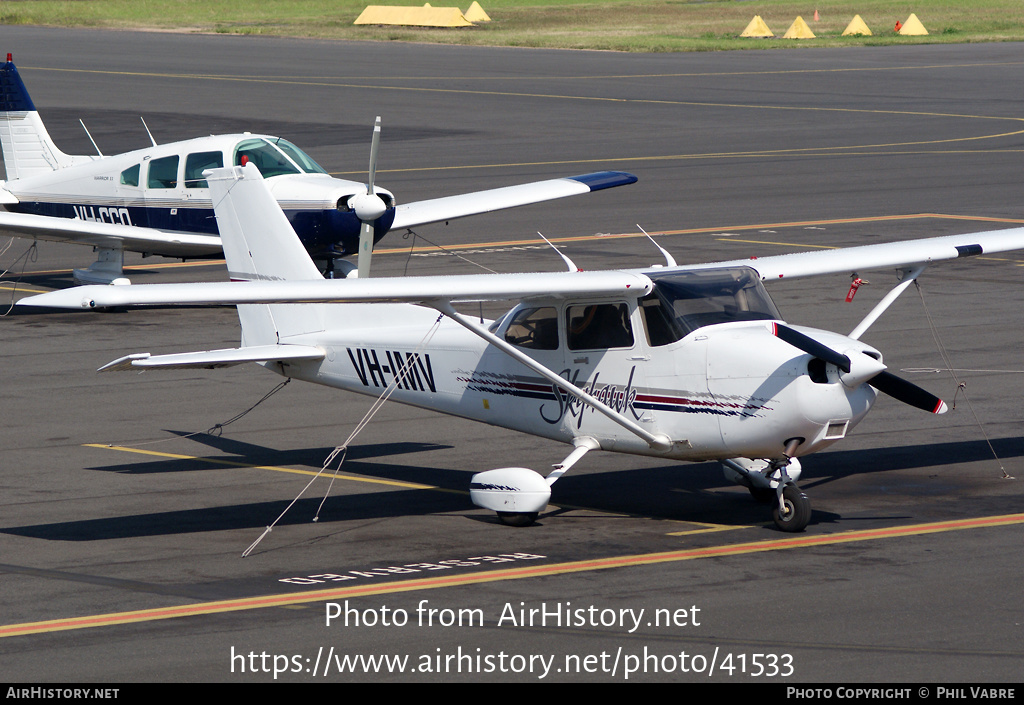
(693, 492)
(671, 492)
(311, 458)
(254, 516)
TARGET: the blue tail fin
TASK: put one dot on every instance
(27, 147)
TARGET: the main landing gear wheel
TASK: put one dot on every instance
(517, 518)
(796, 511)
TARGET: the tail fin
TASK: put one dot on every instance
(27, 147)
(260, 245)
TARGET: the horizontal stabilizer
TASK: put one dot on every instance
(451, 207)
(211, 359)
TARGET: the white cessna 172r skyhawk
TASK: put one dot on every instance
(155, 200)
(683, 362)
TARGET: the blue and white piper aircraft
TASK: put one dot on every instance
(683, 362)
(155, 200)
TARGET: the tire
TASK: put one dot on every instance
(798, 510)
(517, 518)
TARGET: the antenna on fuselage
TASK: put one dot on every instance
(568, 262)
(664, 253)
(90, 138)
(147, 130)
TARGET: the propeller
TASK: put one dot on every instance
(368, 207)
(857, 370)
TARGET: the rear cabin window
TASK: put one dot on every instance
(163, 172)
(196, 164)
(598, 326)
(130, 176)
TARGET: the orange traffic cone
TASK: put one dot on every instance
(816, 18)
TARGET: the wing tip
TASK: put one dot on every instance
(598, 180)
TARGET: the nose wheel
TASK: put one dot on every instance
(793, 510)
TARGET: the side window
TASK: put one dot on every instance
(130, 176)
(662, 327)
(163, 172)
(196, 164)
(534, 329)
(598, 326)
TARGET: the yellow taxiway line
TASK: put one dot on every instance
(533, 571)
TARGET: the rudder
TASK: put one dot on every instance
(27, 147)
(260, 245)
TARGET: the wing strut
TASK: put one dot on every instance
(657, 441)
(886, 301)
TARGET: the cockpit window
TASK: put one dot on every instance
(534, 329)
(598, 326)
(276, 157)
(682, 302)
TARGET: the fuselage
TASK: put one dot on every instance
(714, 379)
(162, 187)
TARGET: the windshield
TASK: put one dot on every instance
(304, 161)
(682, 302)
(276, 158)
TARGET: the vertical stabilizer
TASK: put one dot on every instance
(260, 245)
(27, 147)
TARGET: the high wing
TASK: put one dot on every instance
(110, 235)
(882, 256)
(483, 287)
(461, 289)
(436, 210)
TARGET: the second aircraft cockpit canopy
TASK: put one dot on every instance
(273, 156)
(681, 302)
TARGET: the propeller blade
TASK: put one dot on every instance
(811, 346)
(908, 393)
(374, 144)
(368, 208)
(365, 250)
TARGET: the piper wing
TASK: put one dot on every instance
(96, 234)
(451, 207)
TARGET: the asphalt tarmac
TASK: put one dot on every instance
(123, 520)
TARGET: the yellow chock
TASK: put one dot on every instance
(856, 26)
(913, 27)
(475, 13)
(757, 28)
(413, 16)
(798, 30)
